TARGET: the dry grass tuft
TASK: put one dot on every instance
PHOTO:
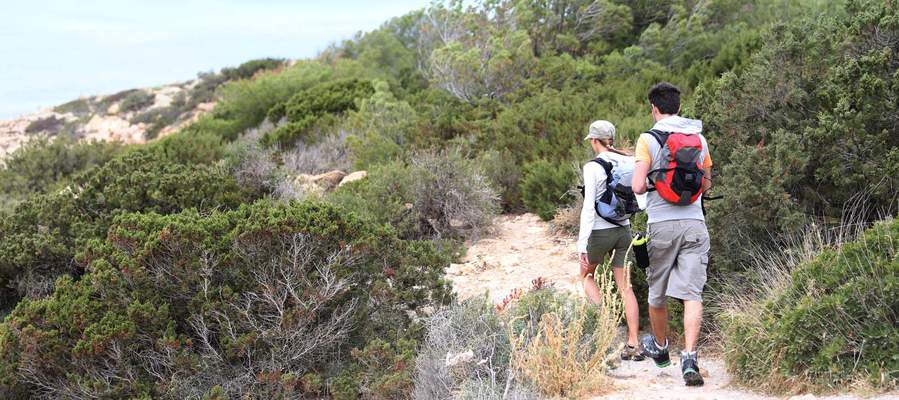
(570, 352)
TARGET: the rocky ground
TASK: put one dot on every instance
(102, 117)
(525, 248)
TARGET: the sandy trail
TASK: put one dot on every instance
(525, 248)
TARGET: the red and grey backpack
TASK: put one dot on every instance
(679, 178)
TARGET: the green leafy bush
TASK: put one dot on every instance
(802, 128)
(159, 118)
(245, 103)
(40, 238)
(259, 301)
(307, 108)
(49, 125)
(79, 107)
(823, 322)
(546, 186)
(250, 68)
(382, 129)
(137, 100)
(438, 195)
(43, 166)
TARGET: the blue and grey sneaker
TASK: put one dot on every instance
(690, 368)
(654, 351)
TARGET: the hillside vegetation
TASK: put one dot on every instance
(230, 258)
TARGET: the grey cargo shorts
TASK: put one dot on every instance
(678, 258)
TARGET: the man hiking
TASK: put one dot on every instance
(609, 234)
(673, 164)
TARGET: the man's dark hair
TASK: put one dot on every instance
(666, 97)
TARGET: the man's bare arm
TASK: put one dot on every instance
(707, 182)
(638, 182)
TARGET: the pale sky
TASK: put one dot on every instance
(55, 51)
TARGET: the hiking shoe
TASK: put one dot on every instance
(690, 368)
(657, 353)
(632, 353)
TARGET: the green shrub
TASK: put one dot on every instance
(504, 174)
(250, 68)
(383, 129)
(189, 146)
(308, 107)
(824, 322)
(384, 197)
(247, 303)
(801, 128)
(79, 107)
(472, 325)
(105, 102)
(159, 118)
(44, 166)
(49, 125)
(137, 100)
(42, 235)
(245, 103)
(439, 195)
(546, 186)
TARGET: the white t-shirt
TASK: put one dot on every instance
(594, 187)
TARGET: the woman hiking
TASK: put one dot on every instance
(599, 236)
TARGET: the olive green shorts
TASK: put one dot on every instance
(606, 241)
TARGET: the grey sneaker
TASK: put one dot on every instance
(632, 353)
(652, 350)
(690, 368)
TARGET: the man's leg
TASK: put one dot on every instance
(658, 318)
(692, 323)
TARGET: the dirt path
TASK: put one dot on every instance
(525, 248)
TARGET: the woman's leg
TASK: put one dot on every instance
(631, 311)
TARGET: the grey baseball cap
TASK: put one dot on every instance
(601, 130)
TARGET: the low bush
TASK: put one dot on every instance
(306, 108)
(43, 234)
(244, 103)
(504, 175)
(382, 129)
(545, 187)
(49, 125)
(438, 195)
(466, 349)
(452, 194)
(158, 119)
(563, 345)
(823, 315)
(540, 343)
(188, 146)
(385, 197)
(250, 68)
(105, 102)
(328, 153)
(256, 302)
(136, 101)
(43, 166)
(79, 107)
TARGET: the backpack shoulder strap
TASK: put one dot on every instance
(606, 165)
(659, 136)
